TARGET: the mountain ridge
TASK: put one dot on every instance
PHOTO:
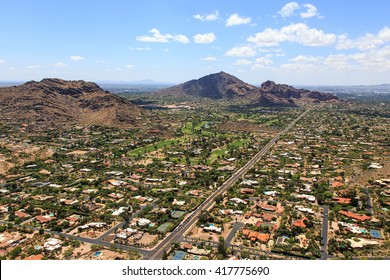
(55, 103)
(225, 86)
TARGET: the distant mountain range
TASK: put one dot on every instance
(55, 103)
(225, 86)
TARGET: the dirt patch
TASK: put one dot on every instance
(5, 166)
(147, 239)
(78, 153)
(199, 233)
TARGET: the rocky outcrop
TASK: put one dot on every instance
(289, 92)
(225, 86)
(55, 103)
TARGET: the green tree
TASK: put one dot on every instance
(15, 252)
(222, 248)
(164, 255)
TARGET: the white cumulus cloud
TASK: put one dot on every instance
(129, 66)
(235, 19)
(244, 51)
(206, 38)
(384, 34)
(306, 59)
(261, 63)
(296, 32)
(157, 37)
(338, 61)
(2, 61)
(181, 39)
(289, 9)
(366, 42)
(376, 59)
(210, 17)
(311, 11)
(76, 58)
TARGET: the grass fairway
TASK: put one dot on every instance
(188, 128)
(220, 152)
(153, 147)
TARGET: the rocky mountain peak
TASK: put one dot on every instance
(55, 103)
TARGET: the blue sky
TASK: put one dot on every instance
(319, 42)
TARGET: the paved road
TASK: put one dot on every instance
(208, 203)
(111, 230)
(135, 214)
(324, 233)
(370, 211)
(236, 227)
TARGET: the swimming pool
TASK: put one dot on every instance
(376, 234)
(97, 254)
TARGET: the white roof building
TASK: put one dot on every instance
(143, 222)
(119, 211)
(52, 244)
(213, 228)
(238, 200)
(271, 193)
(178, 202)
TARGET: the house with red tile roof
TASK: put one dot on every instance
(267, 217)
(299, 223)
(187, 246)
(337, 184)
(342, 200)
(44, 219)
(357, 217)
(245, 233)
(268, 207)
(254, 236)
(72, 220)
(247, 191)
(21, 214)
(248, 215)
(34, 257)
(256, 215)
(263, 237)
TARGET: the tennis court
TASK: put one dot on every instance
(179, 255)
(164, 227)
(177, 214)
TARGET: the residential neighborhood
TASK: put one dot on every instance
(322, 191)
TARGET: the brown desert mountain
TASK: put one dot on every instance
(55, 103)
(271, 90)
(215, 86)
(225, 86)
